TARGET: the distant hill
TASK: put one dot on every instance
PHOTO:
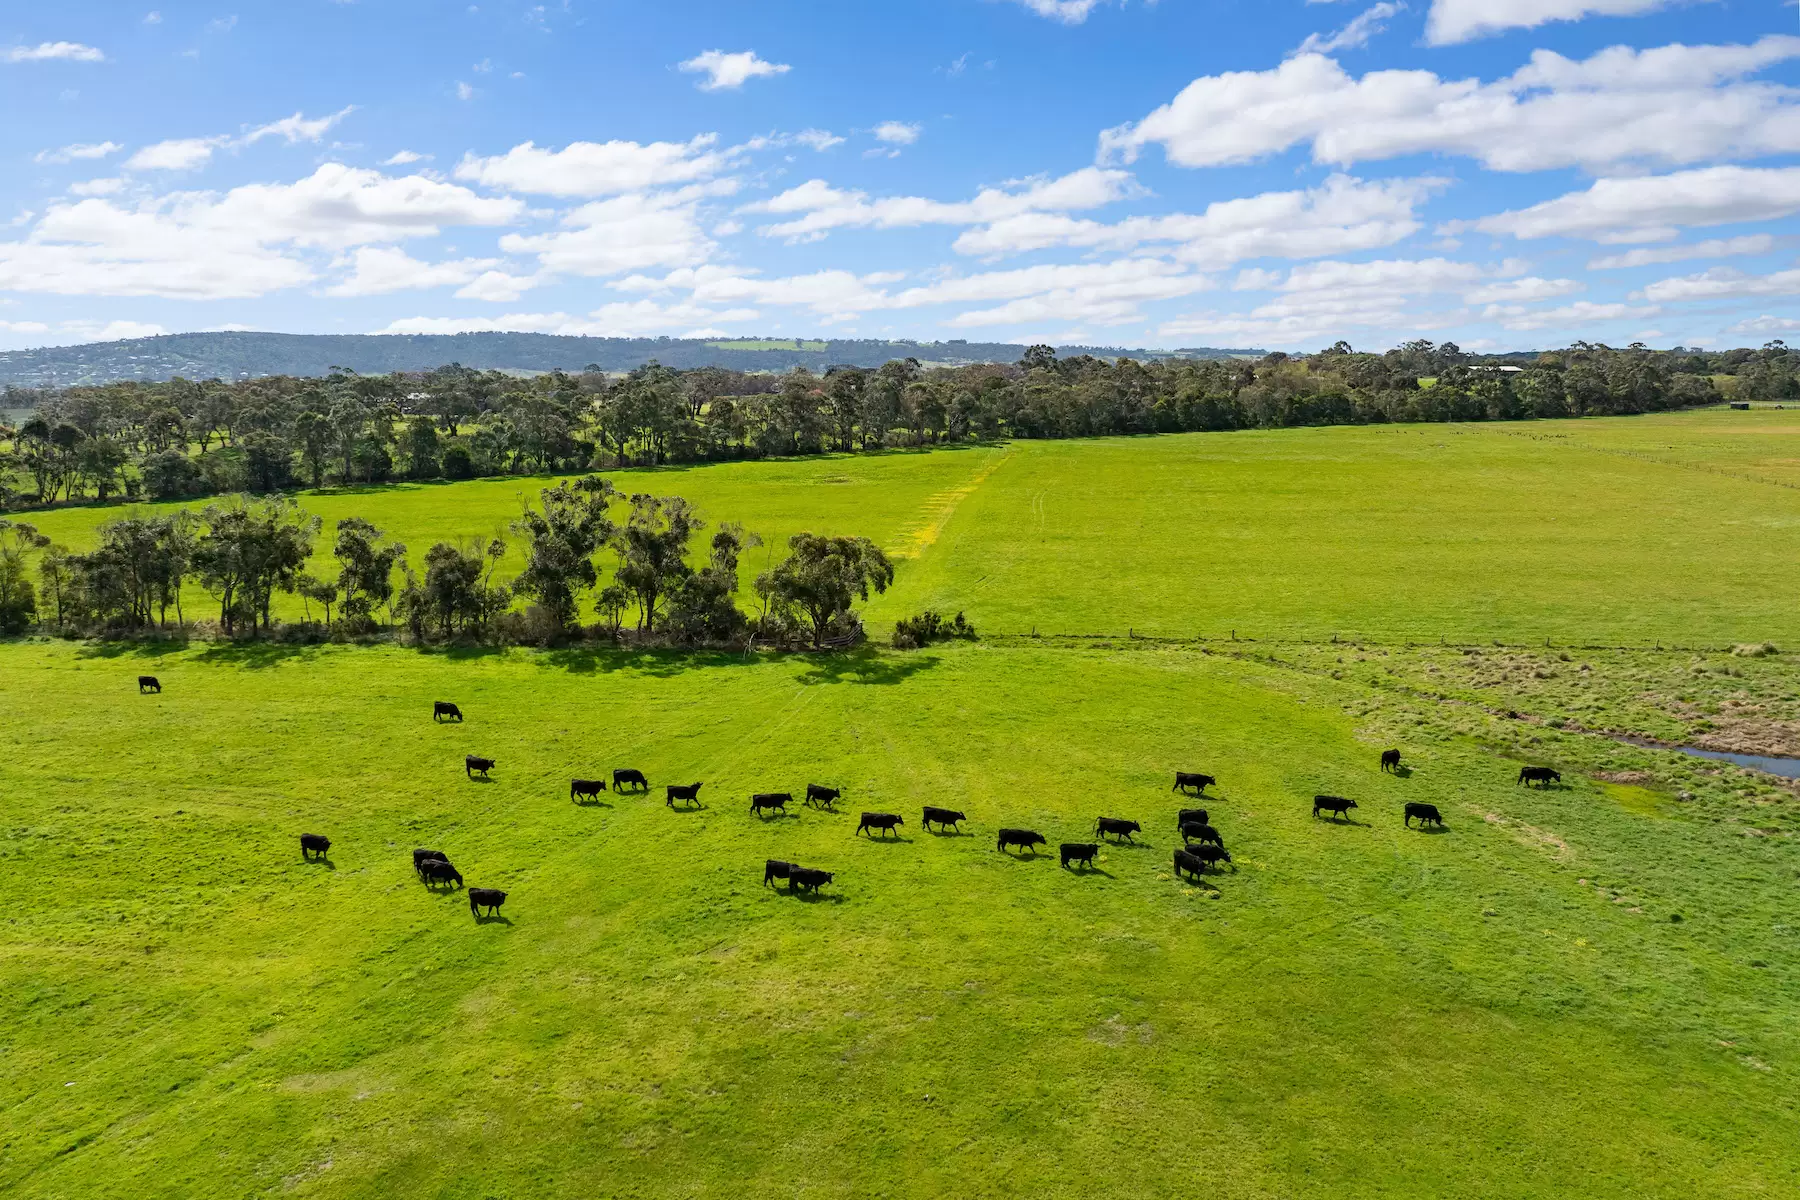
(247, 355)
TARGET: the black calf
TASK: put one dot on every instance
(1337, 806)
(774, 801)
(886, 822)
(1201, 832)
(420, 857)
(629, 776)
(314, 843)
(683, 792)
(1191, 779)
(1079, 852)
(774, 868)
(1426, 813)
(1543, 776)
(1390, 760)
(443, 710)
(488, 898)
(804, 878)
(1116, 827)
(148, 683)
(436, 870)
(941, 816)
(474, 765)
(1024, 839)
(820, 796)
(1191, 816)
(590, 788)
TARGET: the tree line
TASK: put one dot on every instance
(189, 438)
(243, 551)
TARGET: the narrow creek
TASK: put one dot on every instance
(1787, 768)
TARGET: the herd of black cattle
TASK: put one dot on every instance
(1202, 846)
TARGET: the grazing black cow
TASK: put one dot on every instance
(683, 792)
(1390, 760)
(886, 822)
(149, 683)
(807, 877)
(1190, 863)
(1337, 806)
(1426, 813)
(1210, 854)
(1024, 839)
(443, 710)
(1543, 776)
(632, 776)
(590, 788)
(771, 800)
(942, 816)
(488, 898)
(436, 870)
(474, 765)
(820, 796)
(1080, 852)
(1189, 779)
(774, 868)
(314, 843)
(1117, 827)
(1191, 816)
(1200, 832)
(420, 857)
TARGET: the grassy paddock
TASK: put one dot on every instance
(1357, 1010)
(1588, 531)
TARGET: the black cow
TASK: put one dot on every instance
(771, 800)
(443, 710)
(683, 792)
(149, 683)
(1190, 863)
(1337, 806)
(1201, 832)
(474, 764)
(1189, 779)
(886, 822)
(632, 776)
(1390, 760)
(1426, 813)
(1117, 827)
(436, 870)
(1539, 775)
(420, 857)
(590, 788)
(807, 877)
(1191, 816)
(488, 898)
(1025, 839)
(774, 868)
(1080, 852)
(1209, 854)
(820, 796)
(314, 843)
(941, 816)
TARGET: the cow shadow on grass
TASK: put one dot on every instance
(896, 840)
(1342, 821)
(492, 919)
(952, 832)
(1130, 845)
(691, 806)
(1431, 829)
(321, 861)
(1082, 872)
(479, 779)
(811, 897)
(590, 802)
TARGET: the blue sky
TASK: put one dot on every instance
(1501, 173)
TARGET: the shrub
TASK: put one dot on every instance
(930, 626)
(457, 464)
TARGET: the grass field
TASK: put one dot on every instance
(1589, 990)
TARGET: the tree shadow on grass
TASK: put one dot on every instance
(866, 665)
(147, 649)
(256, 655)
(657, 663)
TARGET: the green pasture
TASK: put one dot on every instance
(1591, 990)
(1631, 530)
(188, 1009)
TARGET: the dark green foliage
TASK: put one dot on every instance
(457, 464)
(251, 550)
(910, 633)
(18, 599)
(652, 551)
(458, 594)
(170, 475)
(821, 578)
(702, 607)
(366, 578)
(562, 539)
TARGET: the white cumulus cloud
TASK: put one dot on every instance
(1652, 208)
(1644, 256)
(726, 71)
(376, 270)
(1669, 105)
(51, 52)
(1356, 34)
(1460, 20)
(817, 207)
(596, 168)
(897, 133)
(78, 151)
